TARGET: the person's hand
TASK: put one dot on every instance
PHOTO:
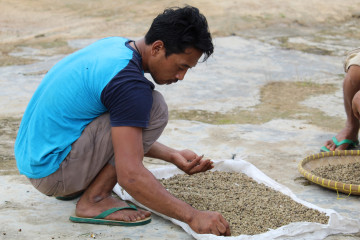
(191, 163)
(205, 222)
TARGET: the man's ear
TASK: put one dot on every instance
(157, 47)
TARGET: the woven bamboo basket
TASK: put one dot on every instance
(314, 161)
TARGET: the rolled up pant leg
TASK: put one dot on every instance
(94, 149)
(352, 58)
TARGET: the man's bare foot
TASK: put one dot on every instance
(345, 133)
(89, 208)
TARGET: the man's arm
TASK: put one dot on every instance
(145, 188)
(185, 160)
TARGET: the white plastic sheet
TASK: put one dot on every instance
(299, 230)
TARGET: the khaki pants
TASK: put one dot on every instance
(352, 58)
(94, 149)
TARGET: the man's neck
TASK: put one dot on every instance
(141, 47)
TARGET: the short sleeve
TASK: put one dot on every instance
(128, 102)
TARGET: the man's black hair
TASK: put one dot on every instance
(180, 28)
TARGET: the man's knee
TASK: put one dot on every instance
(159, 112)
(158, 120)
(356, 105)
(352, 68)
(352, 59)
(354, 72)
(352, 77)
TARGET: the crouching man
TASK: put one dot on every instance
(95, 116)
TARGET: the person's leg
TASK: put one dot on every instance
(89, 168)
(351, 87)
(158, 121)
(89, 154)
(97, 197)
(356, 104)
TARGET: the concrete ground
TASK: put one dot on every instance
(275, 147)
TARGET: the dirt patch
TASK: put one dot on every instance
(304, 47)
(44, 47)
(278, 100)
(8, 131)
(46, 22)
(249, 207)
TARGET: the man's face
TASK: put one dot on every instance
(170, 69)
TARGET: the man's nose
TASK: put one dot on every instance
(181, 75)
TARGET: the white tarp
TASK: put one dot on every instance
(299, 230)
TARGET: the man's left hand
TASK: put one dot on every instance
(190, 162)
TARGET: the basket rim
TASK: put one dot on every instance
(328, 183)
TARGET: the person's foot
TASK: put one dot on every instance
(345, 133)
(89, 209)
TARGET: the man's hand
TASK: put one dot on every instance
(191, 163)
(210, 222)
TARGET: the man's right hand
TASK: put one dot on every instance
(205, 222)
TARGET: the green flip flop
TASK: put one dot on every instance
(99, 219)
(352, 144)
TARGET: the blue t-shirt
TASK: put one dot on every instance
(106, 76)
